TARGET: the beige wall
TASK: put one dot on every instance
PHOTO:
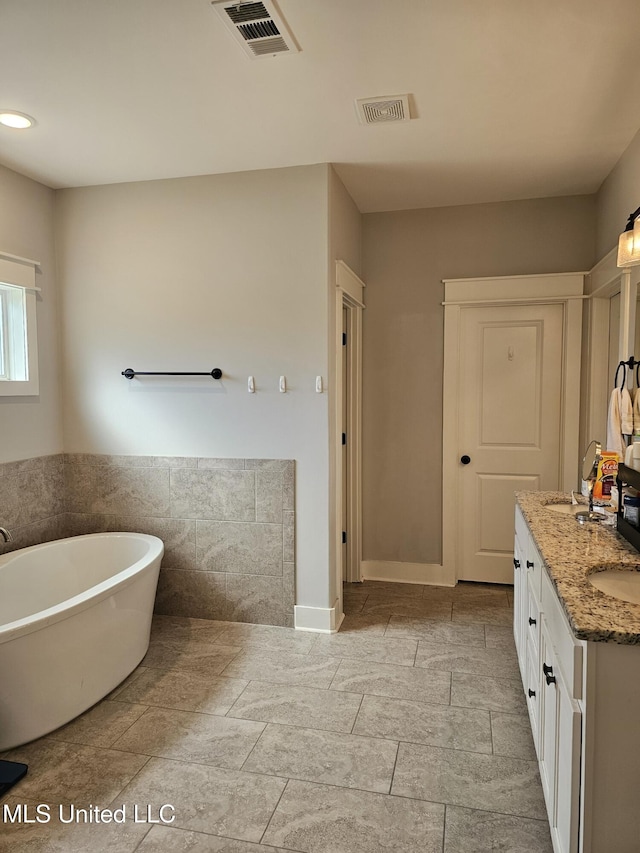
(406, 256)
(618, 196)
(224, 271)
(32, 426)
(345, 227)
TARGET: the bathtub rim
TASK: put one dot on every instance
(83, 600)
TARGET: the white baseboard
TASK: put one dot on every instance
(322, 620)
(424, 573)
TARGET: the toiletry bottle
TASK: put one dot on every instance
(632, 509)
(628, 455)
(636, 451)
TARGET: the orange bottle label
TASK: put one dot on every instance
(606, 476)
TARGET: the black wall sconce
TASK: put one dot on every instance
(629, 242)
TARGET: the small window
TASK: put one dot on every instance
(13, 333)
(18, 333)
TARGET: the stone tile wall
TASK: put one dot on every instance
(32, 500)
(228, 524)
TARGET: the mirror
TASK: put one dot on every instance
(590, 464)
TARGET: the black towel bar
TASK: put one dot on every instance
(630, 363)
(129, 373)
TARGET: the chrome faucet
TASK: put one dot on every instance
(5, 534)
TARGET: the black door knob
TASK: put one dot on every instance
(465, 459)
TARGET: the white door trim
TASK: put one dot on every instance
(350, 294)
(354, 443)
(349, 283)
(566, 288)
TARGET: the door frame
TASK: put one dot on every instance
(349, 294)
(564, 288)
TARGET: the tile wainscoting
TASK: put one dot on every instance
(32, 500)
(228, 524)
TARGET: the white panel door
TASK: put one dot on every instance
(510, 409)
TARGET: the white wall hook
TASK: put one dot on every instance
(319, 388)
(251, 385)
(283, 384)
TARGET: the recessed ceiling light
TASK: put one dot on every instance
(19, 121)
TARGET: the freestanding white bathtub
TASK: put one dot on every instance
(75, 619)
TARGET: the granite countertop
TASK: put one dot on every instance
(570, 552)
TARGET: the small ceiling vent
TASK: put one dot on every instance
(259, 28)
(383, 110)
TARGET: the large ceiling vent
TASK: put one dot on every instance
(383, 110)
(258, 27)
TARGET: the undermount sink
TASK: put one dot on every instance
(623, 584)
(567, 508)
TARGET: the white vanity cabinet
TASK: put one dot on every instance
(551, 670)
(584, 707)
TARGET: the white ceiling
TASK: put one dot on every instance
(512, 98)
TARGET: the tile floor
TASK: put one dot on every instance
(407, 731)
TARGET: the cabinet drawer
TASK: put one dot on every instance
(533, 567)
(568, 650)
(522, 531)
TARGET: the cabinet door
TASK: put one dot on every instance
(549, 704)
(559, 750)
(532, 621)
(567, 771)
(532, 692)
(520, 604)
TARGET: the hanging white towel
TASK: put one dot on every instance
(636, 411)
(618, 404)
(626, 413)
